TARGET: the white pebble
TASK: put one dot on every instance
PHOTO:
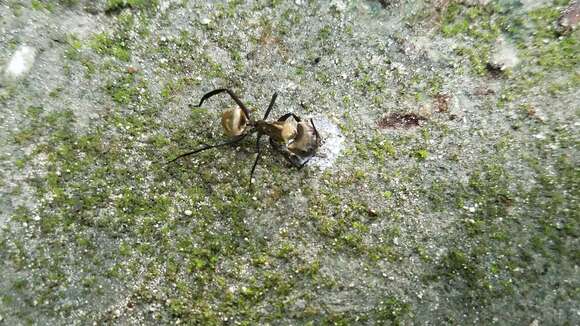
(21, 62)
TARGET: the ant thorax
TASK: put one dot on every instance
(279, 131)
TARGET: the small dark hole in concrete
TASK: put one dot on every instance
(494, 71)
(385, 3)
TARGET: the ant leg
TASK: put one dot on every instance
(287, 115)
(270, 106)
(304, 163)
(285, 153)
(257, 157)
(232, 95)
(206, 147)
(315, 132)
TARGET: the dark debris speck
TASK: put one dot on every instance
(401, 120)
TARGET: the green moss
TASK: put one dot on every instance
(537, 42)
(173, 88)
(214, 69)
(454, 28)
(20, 285)
(477, 56)
(474, 21)
(383, 251)
(21, 214)
(68, 3)
(55, 93)
(104, 44)
(423, 254)
(561, 53)
(323, 78)
(479, 24)
(379, 147)
(421, 154)
(367, 83)
(38, 5)
(25, 135)
(73, 42)
(6, 93)
(128, 89)
(215, 263)
(324, 33)
(116, 5)
(292, 17)
(484, 263)
(392, 310)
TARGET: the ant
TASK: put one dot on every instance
(296, 142)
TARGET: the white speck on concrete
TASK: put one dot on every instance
(21, 62)
(504, 55)
(332, 143)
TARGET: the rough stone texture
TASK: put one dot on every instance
(569, 19)
(444, 193)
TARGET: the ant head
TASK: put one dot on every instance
(307, 139)
(234, 122)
